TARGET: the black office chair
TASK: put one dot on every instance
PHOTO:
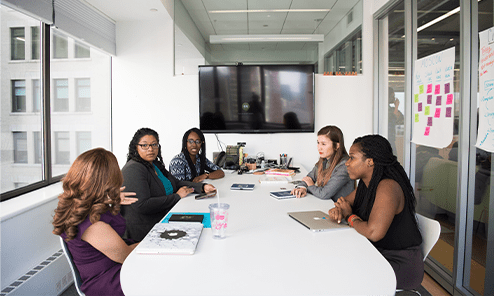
(75, 272)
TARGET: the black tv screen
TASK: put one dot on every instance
(256, 98)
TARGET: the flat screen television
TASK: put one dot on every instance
(256, 98)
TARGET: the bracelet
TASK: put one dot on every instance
(350, 219)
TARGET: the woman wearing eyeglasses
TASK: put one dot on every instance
(156, 189)
(191, 164)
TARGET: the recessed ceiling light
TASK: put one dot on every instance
(268, 10)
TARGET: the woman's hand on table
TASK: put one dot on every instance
(124, 197)
(184, 191)
(209, 188)
(341, 210)
(200, 178)
(299, 192)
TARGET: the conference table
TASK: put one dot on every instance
(265, 252)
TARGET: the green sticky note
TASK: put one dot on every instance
(421, 89)
(416, 98)
(427, 110)
(416, 117)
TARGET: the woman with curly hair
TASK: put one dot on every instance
(157, 190)
(382, 208)
(329, 178)
(87, 218)
(191, 164)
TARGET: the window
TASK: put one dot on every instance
(61, 103)
(83, 142)
(60, 47)
(20, 147)
(35, 43)
(83, 95)
(29, 88)
(62, 148)
(18, 96)
(81, 51)
(17, 42)
(36, 95)
(346, 57)
(38, 153)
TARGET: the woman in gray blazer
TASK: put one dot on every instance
(156, 189)
(329, 177)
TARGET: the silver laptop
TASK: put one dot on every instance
(317, 221)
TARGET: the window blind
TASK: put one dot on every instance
(75, 17)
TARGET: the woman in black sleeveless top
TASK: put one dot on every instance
(382, 208)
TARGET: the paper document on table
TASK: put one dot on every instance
(274, 179)
(171, 238)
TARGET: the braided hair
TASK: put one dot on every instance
(335, 135)
(386, 166)
(202, 152)
(134, 154)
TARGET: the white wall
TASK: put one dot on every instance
(146, 94)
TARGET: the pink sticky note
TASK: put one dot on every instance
(438, 89)
(419, 107)
(449, 99)
(427, 130)
(446, 88)
(429, 99)
(429, 88)
(438, 100)
(429, 121)
(438, 113)
(448, 112)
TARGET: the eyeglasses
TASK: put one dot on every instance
(198, 142)
(146, 146)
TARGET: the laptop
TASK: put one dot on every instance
(317, 221)
(171, 238)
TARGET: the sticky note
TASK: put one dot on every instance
(416, 98)
(427, 130)
(449, 99)
(429, 88)
(421, 89)
(438, 89)
(448, 112)
(427, 110)
(429, 121)
(419, 107)
(416, 117)
(437, 114)
(429, 99)
(446, 88)
(438, 100)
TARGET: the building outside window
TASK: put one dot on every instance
(61, 95)
(81, 51)
(83, 142)
(17, 44)
(18, 96)
(36, 95)
(83, 94)
(38, 152)
(62, 148)
(20, 147)
(346, 57)
(35, 43)
(60, 47)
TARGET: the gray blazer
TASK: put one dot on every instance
(338, 185)
(153, 203)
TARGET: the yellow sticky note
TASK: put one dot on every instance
(416, 98)
(427, 110)
(421, 89)
(416, 117)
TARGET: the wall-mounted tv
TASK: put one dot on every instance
(256, 98)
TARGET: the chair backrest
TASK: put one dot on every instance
(75, 272)
(430, 230)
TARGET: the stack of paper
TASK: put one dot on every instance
(274, 179)
(280, 172)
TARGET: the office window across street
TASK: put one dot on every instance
(61, 102)
(20, 147)
(18, 96)
(17, 44)
(83, 94)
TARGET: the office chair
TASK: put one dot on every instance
(75, 272)
(430, 230)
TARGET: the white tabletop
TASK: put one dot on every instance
(265, 252)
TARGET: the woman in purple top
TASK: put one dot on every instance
(87, 218)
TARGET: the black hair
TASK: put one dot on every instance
(202, 152)
(134, 154)
(386, 166)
